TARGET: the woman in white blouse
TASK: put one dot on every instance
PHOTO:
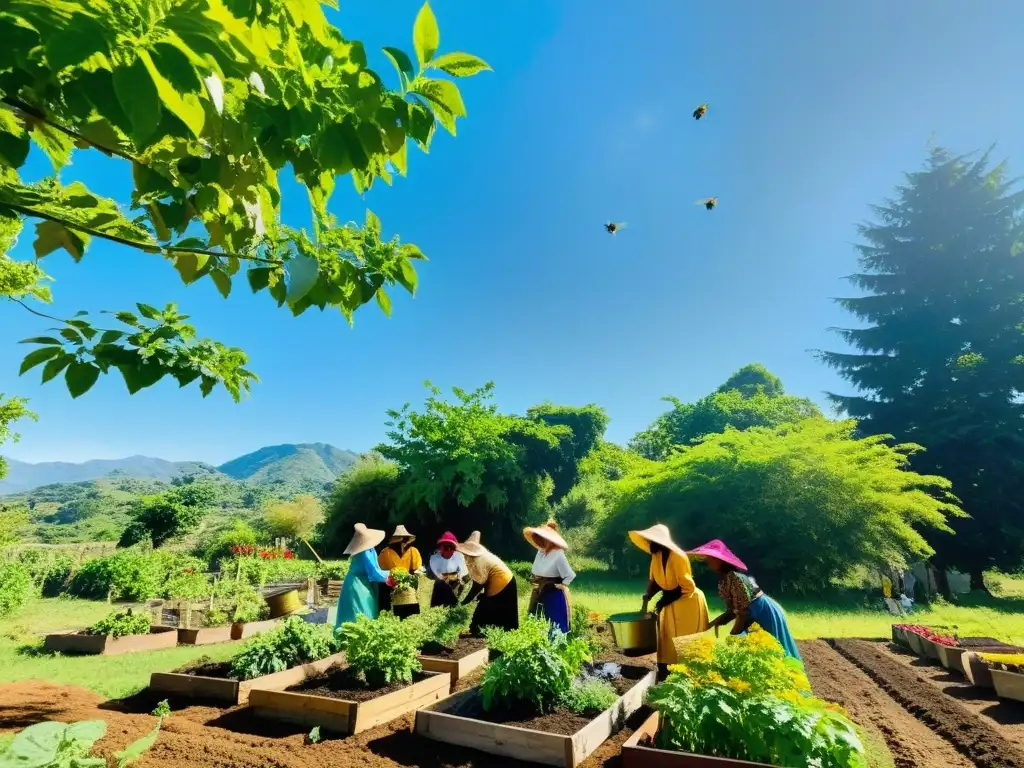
(552, 575)
(448, 570)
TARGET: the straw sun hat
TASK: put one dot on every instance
(402, 533)
(472, 546)
(656, 534)
(364, 538)
(540, 535)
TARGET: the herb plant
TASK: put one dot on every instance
(121, 624)
(536, 667)
(382, 650)
(402, 579)
(294, 642)
(443, 625)
(589, 695)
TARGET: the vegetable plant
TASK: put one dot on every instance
(294, 642)
(589, 695)
(121, 624)
(744, 699)
(400, 578)
(382, 650)
(444, 625)
(536, 667)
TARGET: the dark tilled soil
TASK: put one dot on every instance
(975, 737)
(203, 667)
(463, 648)
(345, 684)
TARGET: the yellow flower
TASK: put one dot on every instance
(792, 697)
(702, 650)
(740, 686)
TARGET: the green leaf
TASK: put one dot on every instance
(80, 377)
(14, 141)
(72, 335)
(425, 35)
(222, 281)
(55, 366)
(189, 265)
(460, 64)
(407, 276)
(402, 63)
(138, 376)
(372, 222)
(186, 108)
(384, 301)
(442, 94)
(36, 357)
(50, 236)
(147, 311)
(259, 278)
(41, 340)
(135, 750)
(138, 96)
(76, 41)
(303, 272)
(109, 337)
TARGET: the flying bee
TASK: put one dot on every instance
(700, 111)
(611, 228)
(708, 202)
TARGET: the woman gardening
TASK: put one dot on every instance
(682, 608)
(493, 584)
(399, 553)
(448, 570)
(745, 603)
(358, 593)
(552, 575)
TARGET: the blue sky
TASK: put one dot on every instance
(816, 108)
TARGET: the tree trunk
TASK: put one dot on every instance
(978, 581)
(942, 581)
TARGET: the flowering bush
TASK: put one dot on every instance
(249, 550)
(745, 699)
(929, 634)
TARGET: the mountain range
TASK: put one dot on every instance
(288, 464)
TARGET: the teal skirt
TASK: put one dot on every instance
(769, 616)
(358, 596)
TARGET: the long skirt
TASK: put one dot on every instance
(443, 594)
(769, 616)
(500, 610)
(358, 597)
(686, 616)
(401, 611)
(554, 605)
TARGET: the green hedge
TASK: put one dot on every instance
(132, 574)
(16, 587)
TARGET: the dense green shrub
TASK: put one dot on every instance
(240, 533)
(121, 624)
(382, 650)
(16, 587)
(335, 570)
(589, 696)
(536, 667)
(364, 493)
(294, 642)
(130, 574)
(258, 571)
(50, 568)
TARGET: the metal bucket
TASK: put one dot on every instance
(284, 602)
(636, 632)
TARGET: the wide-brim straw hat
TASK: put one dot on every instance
(716, 548)
(539, 535)
(472, 546)
(363, 539)
(402, 533)
(656, 534)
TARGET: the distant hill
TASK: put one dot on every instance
(302, 466)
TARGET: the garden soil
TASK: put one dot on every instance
(883, 692)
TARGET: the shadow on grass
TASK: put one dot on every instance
(36, 650)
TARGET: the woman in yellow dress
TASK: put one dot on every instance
(682, 608)
(400, 553)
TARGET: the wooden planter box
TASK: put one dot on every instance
(235, 691)
(636, 756)
(455, 668)
(523, 743)
(74, 642)
(205, 636)
(243, 630)
(1008, 685)
(343, 716)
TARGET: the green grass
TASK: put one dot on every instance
(110, 676)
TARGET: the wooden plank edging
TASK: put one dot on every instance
(636, 756)
(76, 643)
(455, 668)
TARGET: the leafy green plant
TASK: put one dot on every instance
(382, 650)
(66, 745)
(187, 584)
(162, 709)
(16, 587)
(132, 574)
(294, 642)
(51, 569)
(121, 624)
(536, 667)
(313, 737)
(402, 579)
(589, 696)
(335, 570)
(452, 622)
(218, 617)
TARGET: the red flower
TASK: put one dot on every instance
(289, 555)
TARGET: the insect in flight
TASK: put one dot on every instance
(708, 202)
(611, 228)
(700, 111)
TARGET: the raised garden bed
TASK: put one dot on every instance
(205, 636)
(639, 752)
(1008, 685)
(107, 645)
(559, 738)
(246, 629)
(209, 681)
(469, 654)
(340, 702)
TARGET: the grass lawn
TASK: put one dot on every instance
(110, 676)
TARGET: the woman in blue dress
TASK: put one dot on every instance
(359, 591)
(745, 603)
